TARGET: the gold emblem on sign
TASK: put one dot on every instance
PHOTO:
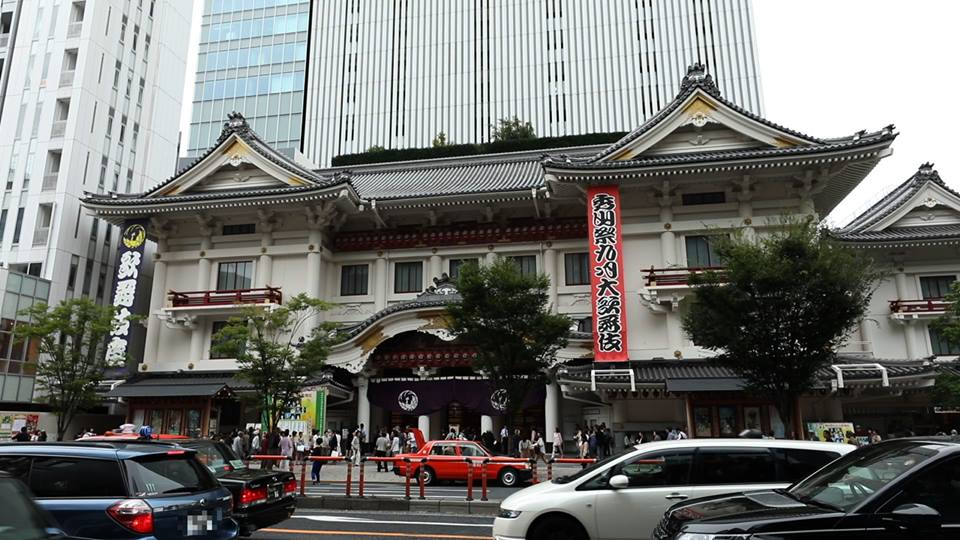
(134, 236)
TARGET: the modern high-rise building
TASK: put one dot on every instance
(89, 95)
(252, 59)
(394, 74)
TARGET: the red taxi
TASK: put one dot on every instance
(447, 460)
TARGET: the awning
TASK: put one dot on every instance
(167, 389)
(702, 384)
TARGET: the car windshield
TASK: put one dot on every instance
(217, 457)
(854, 478)
(168, 474)
(590, 469)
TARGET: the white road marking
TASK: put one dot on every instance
(345, 519)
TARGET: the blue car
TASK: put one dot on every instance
(123, 490)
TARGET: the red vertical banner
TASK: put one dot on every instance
(607, 274)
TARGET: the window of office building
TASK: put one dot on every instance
(354, 279)
(408, 277)
(576, 269)
(235, 275)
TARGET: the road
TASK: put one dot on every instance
(330, 525)
(397, 490)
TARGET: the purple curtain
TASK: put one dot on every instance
(425, 397)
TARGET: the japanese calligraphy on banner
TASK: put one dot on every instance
(133, 237)
(607, 275)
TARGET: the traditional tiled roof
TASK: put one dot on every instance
(856, 230)
(463, 177)
(236, 125)
(656, 372)
(697, 79)
(440, 294)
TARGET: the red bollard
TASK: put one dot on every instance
(469, 479)
(407, 474)
(303, 479)
(421, 476)
(550, 470)
(349, 475)
(483, 479)
(533, 465)
(360, 484)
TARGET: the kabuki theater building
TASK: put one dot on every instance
(618, 228)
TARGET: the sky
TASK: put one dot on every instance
(833, 67)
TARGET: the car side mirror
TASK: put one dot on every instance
(914, 517)
(619, 481)
(915, 510)
(54, 533)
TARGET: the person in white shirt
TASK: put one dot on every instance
(557, 450)
(238, 445)
(381, 446)
(395, 445)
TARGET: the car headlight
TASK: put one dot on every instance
(700, 536)
(508, 514)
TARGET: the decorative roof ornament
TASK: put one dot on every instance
(697, 76)
(236, 122)
(442, 286)
(926, 169)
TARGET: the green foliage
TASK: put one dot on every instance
(948, 325)
(440, 140)
(69, 339)
(376, 148)
(512, 129)
(507, 318)
(455, 150)
(783, 305)
(270, 353)
(946, 391)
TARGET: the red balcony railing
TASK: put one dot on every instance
(266, 295)
(673, 277)
(925, 305)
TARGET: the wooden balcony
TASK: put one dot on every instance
(238, 297)
(924, 308)
(675, 277)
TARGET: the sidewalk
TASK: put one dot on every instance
(338, 472)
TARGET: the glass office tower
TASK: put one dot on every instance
(252, 59)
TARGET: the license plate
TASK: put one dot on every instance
(275, 491)
(201, 523)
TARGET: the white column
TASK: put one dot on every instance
(866, 335)
(203, 284)
(551, 412)
(265, 266)
(380, 280)
(674, 331)
(315, 277)
(668, 240)
(746, 216)
(550, 269)
(436, 268)
(910, 335)
(363, 403)
(423, 423)
(490, 257)
(158, 296)
(900, 280)
(486, 424)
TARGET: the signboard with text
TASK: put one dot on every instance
(607, 274)
(133, 238)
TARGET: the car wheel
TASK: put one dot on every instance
(508, 477)
(428, 476)
(558, 528)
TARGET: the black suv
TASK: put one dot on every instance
(900, 488)
(260, 497)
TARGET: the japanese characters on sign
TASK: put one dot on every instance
(607, 276)
(129, 260)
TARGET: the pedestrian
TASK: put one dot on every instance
(316, 451)
(255, 443)
(592, 443)
(300, 447)
(382, 445)
(451, 435)
(600, 443)
(355, 448)
(394, 446)
(627, 441)
(523, 448)
(23, 435)
(286, 445)
(540, 449)
(656, 436)
(681, 434)
(557, 450)
(237, 445)
(43, 436)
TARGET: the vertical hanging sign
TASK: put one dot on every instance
(129, 260)
(607, 276)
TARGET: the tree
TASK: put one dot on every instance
(948, 325)
(506, 316)
(946, 391)
(780, 308)
(375, 148)
(69, 339)
(272, 356)
(440, 140)
(512, 129)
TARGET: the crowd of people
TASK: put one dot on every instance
(26, 435)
